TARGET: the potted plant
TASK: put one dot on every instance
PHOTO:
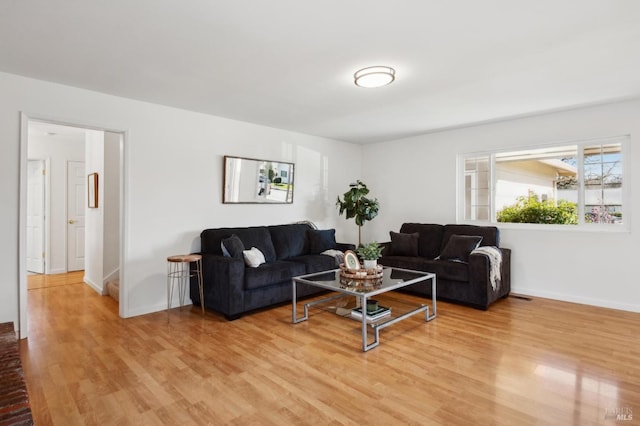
(356, 205)
(370, 253)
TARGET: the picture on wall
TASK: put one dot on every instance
(92, 190)
(251, 181)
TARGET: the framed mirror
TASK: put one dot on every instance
(254, 181)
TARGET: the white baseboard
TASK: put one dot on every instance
(98, 288)
(577, 299)
(143, 310)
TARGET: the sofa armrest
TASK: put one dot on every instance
(223, 284)
(345, 246)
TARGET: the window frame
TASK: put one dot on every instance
(461, 176)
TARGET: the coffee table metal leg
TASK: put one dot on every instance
(294, 303)
(433, 301)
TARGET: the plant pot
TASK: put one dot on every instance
(370, 264)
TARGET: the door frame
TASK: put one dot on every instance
(25, 118)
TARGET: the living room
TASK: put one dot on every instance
(173, 168)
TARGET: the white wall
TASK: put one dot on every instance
(94, 217)
(59, 149)
(173, 179)
(415, 180)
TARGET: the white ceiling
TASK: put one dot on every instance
(289, 63)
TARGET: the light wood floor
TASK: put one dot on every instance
(520, 363)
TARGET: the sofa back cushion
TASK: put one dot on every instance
(430, 241)
(289, 240)
(254, 236)
(490, 234)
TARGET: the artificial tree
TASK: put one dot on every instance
(356, 205)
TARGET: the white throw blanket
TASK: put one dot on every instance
(495, 262)
(336, 254)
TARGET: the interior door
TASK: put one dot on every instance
(76, 206)
(35, 216)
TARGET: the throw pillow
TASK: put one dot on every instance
(253, 258)
(321, 240)
(459, 247)
(232, 247)
(404, 244)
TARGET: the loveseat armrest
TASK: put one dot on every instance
(223, 285)
(480, 278)
(345, 246)
(386, 248)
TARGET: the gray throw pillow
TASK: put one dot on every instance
(459, 247)
(232, 247)
(404, 244)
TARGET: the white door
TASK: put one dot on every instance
(35, 216)
(76, 205)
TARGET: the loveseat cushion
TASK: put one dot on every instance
(459, 247)
(321, 240)
(444, 269)
(289, 240)
(430, 241)
(404, 244)
(490, 234)
(272, 273)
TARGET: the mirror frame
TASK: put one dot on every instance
(255, 197)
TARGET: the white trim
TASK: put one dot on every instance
(22, 326)
(577, 299)
(22, 265)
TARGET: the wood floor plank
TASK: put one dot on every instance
(521, 362)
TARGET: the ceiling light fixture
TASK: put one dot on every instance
(377, 76)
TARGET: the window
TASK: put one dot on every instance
(579, 183)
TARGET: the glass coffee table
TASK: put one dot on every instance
(392, 279)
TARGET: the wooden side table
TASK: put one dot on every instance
(179, 271)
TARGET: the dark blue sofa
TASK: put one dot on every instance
(232, 288)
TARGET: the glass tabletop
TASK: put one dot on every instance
(392, 278)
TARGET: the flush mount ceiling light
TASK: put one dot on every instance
(377, 76)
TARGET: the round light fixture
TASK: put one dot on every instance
(377, 76)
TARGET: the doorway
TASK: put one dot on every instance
(57, 226)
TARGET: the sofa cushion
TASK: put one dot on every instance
(289, 240)
(272, 273)
(459, 247)
(258, 237)
(232, 247)
(321, 240)
(316, 262)
(253, 257)
(429, 243)
(254, 236)
(404, 244)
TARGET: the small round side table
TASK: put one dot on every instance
(179, 271)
